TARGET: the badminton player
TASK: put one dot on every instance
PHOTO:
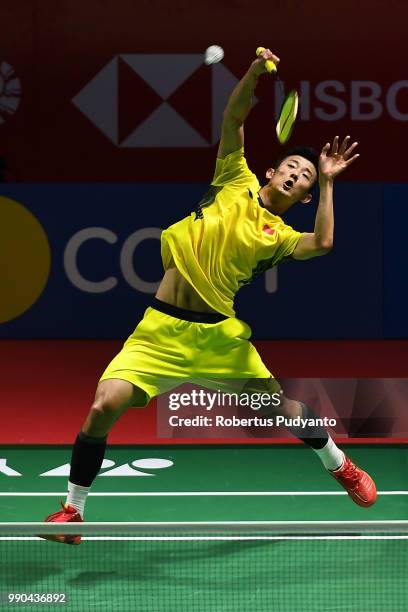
(190, 329)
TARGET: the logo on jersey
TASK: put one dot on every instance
(268, 230)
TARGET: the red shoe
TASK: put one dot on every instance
(68, 514)
(358, 484)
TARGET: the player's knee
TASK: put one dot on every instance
(111, 401)
(101, 417)
(113, 396)
(106, 406)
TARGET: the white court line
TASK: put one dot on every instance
(193, 493)
(214, 538)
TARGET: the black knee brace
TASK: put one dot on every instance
(314, 436)
(87, 457)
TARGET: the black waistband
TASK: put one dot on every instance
(187, 315)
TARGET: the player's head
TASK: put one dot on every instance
(292, 178)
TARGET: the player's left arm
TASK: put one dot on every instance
(331, 164)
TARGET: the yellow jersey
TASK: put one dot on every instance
(229, 239)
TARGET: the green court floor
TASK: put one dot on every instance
(207, 484)
(204, 483)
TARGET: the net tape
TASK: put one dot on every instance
(225, 528)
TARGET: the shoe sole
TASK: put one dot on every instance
(61, 539)
(361, 502)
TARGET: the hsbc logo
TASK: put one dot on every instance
(158, 100)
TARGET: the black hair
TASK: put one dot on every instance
(306, 152)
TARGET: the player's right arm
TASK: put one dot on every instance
(239, 105)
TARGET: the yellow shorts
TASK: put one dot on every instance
(164, 347)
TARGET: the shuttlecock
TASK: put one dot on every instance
(213, 54)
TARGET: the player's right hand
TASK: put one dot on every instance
(259, 63)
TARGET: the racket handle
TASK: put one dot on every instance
(269, 64)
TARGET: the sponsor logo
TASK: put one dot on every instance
(133, 468)
(158, 100)
(126, 258)
(175, 101)
(26, 256)
(333, 100)
(25, 248)
(10, 92)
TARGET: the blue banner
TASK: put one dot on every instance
(83, 261)
(395, 261)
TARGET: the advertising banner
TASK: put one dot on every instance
(395, 261)
(83, 261)
(119, 91)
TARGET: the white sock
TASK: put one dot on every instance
(330, 455)
(77, 496)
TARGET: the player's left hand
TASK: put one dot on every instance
(334, 160)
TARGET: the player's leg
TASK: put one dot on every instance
(138, 372)
(243, 360)
(313, 435)
(153, 356)
(358, 484)
(113, 397)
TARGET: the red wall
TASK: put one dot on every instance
(47, 386)
(342, 51)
